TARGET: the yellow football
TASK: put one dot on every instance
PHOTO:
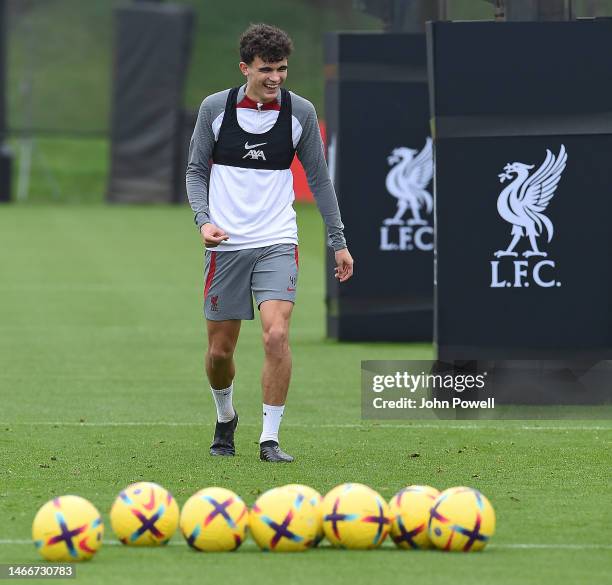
(461, 519)
(144, 514)
(68, 528)
(410, 513)
(316, 500)
(355, 517)
(214, 519)
(283, 520)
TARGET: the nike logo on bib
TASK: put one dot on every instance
(248, 146)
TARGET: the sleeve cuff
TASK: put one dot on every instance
(200, 219)
(337, 244)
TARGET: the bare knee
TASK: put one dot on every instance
(220, 353)
(276, 341)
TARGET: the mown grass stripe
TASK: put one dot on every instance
(521, 546)
(441, 426)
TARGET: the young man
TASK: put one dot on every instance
(243, 209)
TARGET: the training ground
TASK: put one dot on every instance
(102, 384)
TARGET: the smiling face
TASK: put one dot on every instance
(264, 79)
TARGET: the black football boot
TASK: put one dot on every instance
(223, 442)
(270, 451)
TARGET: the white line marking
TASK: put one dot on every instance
(510, 546)
(91, 287)
(554, 546)
(372, 426)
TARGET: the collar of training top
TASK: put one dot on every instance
(247, 102)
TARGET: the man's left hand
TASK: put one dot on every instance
(344, 265)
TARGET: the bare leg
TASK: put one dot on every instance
(222, 339)
(275, 317)
(220, 369)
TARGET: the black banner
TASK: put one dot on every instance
(152, 52)
(523, 140)
(379, 151)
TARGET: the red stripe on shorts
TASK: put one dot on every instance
(297, 257)
(211, 272)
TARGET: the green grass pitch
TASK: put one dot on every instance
(101, 384)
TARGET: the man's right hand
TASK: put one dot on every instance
(212, 235)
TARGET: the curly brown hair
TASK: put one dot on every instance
(269, 43)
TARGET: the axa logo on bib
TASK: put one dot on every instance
(253, 153)
(522, 203)
(410, 228)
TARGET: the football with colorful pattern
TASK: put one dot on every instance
(410, 513)
(68, 528)
(355, 516)
(283, 520)
(461, 519)
(316, 499)
(214, 519)
(144, 514)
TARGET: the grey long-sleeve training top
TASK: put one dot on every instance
(246, 202)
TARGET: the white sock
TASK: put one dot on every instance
(223, 402)
(272, 416)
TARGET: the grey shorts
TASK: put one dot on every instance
(232, 278)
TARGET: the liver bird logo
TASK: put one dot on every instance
(524, 200)
(407, 181)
